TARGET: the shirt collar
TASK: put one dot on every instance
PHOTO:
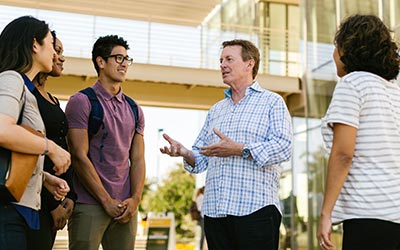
(28, 82)
(103, 93)
(253, 87)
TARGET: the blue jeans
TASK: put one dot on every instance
(13, 229)
(256, 231)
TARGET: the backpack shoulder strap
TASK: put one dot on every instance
(134, 108)
(95, 118)
(96, 113)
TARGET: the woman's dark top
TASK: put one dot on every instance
(56, 126)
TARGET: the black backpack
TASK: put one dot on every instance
(97, 114)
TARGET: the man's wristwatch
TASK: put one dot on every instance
(246, 152)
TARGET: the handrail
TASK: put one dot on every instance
(167, 44)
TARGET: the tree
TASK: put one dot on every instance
(173, 194)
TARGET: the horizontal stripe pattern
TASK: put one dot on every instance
(372, 187)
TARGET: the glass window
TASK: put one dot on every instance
(348, 8)
(276, 68)
(277, 25)
(293, 28)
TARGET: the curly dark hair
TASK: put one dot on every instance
(365, 44)
(249, 51)
(104, 45)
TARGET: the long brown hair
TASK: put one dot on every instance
(16, 43)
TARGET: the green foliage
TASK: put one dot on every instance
(173, 194)
(146, 189)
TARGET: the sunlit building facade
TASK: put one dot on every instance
(319, 20)
(296, 39)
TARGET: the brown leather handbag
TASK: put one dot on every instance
(16, 169)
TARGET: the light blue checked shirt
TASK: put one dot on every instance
(238, 186)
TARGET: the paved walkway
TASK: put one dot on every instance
(61, 242)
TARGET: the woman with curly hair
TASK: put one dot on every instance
(362, 129)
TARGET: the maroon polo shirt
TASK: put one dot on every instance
(119, 123)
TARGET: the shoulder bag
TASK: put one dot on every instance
(16, 168)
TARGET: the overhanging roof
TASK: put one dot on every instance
(157, 85)
(180, 75)
(180, 12)
(187, 12)
(168, 86)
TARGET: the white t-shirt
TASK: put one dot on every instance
(372, 105)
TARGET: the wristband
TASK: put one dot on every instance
(46, 151)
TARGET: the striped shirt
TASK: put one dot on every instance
(238, 186)
(372, 105)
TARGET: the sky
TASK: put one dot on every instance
(182, 125)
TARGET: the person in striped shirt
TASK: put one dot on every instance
(362, 131)
(241, 145)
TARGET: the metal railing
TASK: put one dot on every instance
(167, 44)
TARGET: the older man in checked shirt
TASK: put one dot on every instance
(244, 139)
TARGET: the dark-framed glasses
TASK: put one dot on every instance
(121, 58)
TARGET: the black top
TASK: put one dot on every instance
(56, 126)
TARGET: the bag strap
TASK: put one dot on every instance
(135, 110)
(96, 116)
(23, 98)
(96, 113)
